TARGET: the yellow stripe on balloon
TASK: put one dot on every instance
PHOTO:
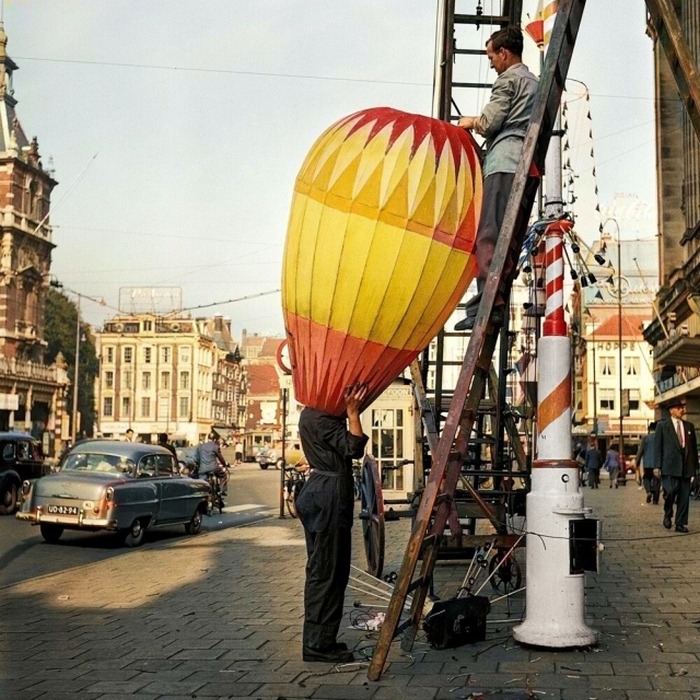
(379, 255)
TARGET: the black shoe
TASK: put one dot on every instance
(329, 656)
(467, 323)
(667, 523)
(649, 497)
(681, 528)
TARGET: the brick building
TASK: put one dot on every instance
(32, 394)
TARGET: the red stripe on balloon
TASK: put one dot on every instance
(334, 360)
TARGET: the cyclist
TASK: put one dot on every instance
(208, 459)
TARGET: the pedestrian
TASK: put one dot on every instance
(645, 461)
(325, 508)
(612, 464)
(129, 435)
(676, 453)
(592, 463)
(238, 451)
(503, 122)
(164, 442)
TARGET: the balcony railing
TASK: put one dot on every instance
(31, 370)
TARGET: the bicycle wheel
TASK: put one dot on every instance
(509, 576)
(372, 516)
(293, 490)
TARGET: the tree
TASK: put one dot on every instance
(60, 324)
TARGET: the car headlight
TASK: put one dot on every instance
(26, 487)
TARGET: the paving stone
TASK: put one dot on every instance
(335, 692)
(152, 647)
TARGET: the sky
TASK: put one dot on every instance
(176, 129)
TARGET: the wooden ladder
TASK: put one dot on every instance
(436, 508)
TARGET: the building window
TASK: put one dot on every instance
(165, 380)
(607, 366)
(126, 379)
(164, 408)
(148, 325)
(185, 354)
(109, 380)
(146, 380)
(184, 406)
(126, 408)
(387, 434)
(128, 354)
(109, 355)
(166, 354)
(147, 353)
(145, 407)
(635, 399)
(607, 399)
(631, 366)
(108, 407)
(184, 380)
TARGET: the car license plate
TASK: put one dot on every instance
(62, 510)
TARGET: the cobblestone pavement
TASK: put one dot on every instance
(220, 616)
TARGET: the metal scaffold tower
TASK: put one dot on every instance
(450, 435)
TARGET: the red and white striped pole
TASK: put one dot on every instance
(554, 611)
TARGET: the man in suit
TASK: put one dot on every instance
(676, 453)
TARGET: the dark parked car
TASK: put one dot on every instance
(121, 486)
(21, 459)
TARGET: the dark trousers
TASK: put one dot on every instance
(594, 478)
(676, 491)
(651, 483)
(327, 574)
(496, 192)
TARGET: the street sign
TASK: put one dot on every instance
(9, 402)
(625, 402)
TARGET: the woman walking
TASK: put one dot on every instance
(612, 464)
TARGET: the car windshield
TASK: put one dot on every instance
(89, 462)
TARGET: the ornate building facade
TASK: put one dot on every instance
(675, 331)
(32, 394)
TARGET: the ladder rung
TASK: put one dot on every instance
(416, 583)
(484, 86)
(470, 52)
(492, 20)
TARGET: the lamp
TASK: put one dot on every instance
(621, 477)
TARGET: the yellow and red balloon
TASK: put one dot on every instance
(378, 251)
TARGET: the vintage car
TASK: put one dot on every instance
(121, 486)
(21, 459)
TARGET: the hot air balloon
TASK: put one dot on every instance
(378, 250)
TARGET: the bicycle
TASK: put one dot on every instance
(216, 497)
(293, 485)
(357, 478)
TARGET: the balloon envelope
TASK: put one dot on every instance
(378, 250)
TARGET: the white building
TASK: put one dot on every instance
(164, 375)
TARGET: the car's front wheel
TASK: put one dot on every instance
(194, 527)
(8, 499)
(133, 537)
(51, 533)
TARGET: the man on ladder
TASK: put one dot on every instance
(503, 123)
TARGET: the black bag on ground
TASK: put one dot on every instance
(457, 621)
